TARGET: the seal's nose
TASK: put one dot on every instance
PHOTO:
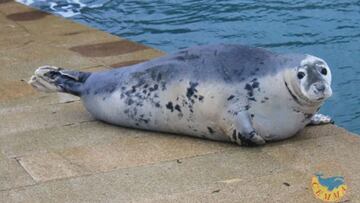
(319, 87)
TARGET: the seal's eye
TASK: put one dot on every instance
(300, 75)
(324, 71)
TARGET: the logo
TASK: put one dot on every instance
(330, 189)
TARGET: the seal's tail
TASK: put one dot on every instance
(54, 79)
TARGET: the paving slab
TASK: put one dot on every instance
(164, 178)
(52, 150)
(39, 117)
(12, 175)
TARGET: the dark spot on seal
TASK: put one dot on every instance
(27, 16)
(255, 84)
(156, 86)
(108, 48)
(252, 115)
(129, 101)
(158, 77)
(211, 131)
(191, 90)
(230, 98)
(111, 88)
(249, 89)
(170, 106)
(133, 89)
(177, 107)
(234, 135)
(163, 86)
(144, 120)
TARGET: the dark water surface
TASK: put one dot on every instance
(329, 29)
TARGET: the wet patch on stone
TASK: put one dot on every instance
(27, 16)
(5, 1)
(108, 48)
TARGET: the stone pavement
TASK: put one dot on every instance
(52, 150)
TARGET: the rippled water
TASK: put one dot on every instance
(329, 29)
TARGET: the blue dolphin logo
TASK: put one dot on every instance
(331, 183)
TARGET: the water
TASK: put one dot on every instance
(329, 29)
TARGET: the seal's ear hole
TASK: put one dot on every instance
(324, 71)
(301, 75)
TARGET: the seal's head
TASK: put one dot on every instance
(310, 81)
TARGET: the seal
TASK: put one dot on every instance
(223, 92)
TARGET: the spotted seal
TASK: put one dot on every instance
(234, 93)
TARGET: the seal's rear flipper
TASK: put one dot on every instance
(54, 79)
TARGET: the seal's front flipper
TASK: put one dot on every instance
(320, 119)
(244, 132)
(54, 79)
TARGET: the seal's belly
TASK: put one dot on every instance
(277, 123)
(184, 108)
